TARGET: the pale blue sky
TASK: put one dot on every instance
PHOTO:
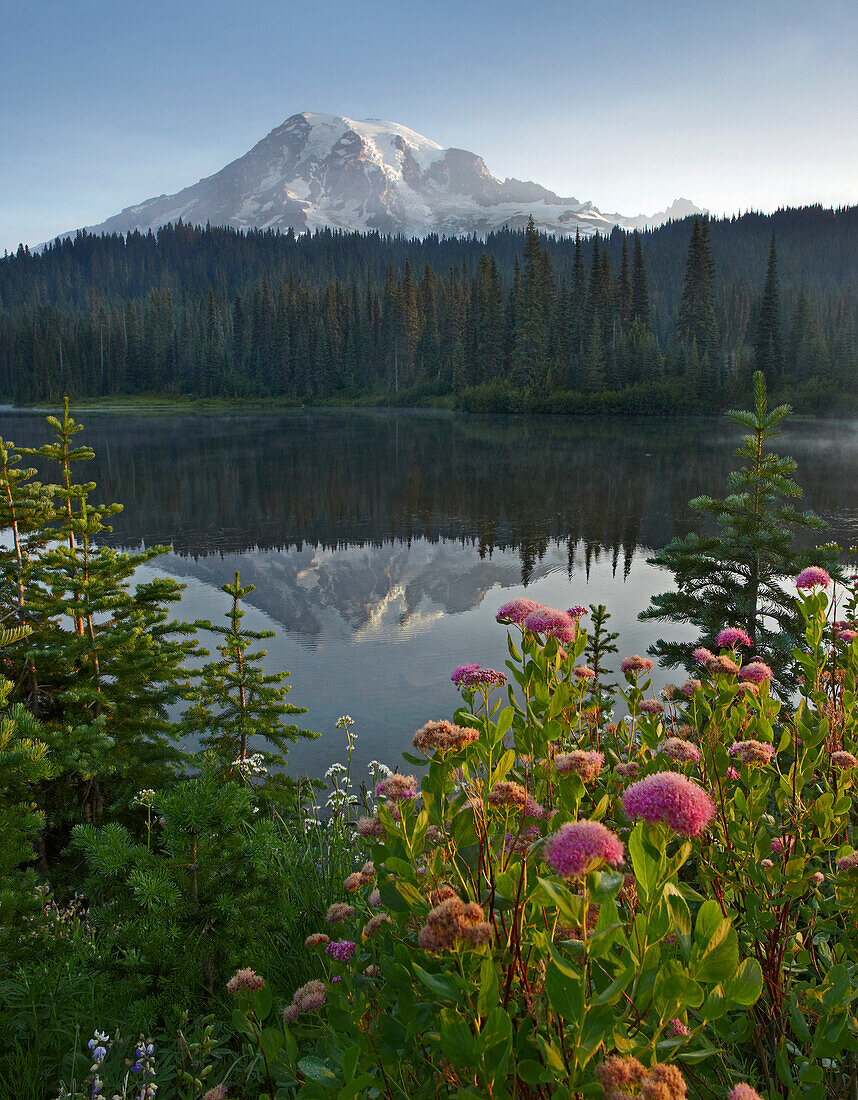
(734, 105)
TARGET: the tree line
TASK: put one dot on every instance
(672, 319)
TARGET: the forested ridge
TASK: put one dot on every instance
(673, 319)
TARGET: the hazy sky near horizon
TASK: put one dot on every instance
(735, 105)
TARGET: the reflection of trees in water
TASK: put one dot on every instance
(335, 478)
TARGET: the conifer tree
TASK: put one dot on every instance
(768, 342)
(697, 323)
(734, 577)
(102, 662)
(624, 287)
(236, 706)
(640, 292)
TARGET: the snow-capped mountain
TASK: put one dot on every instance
(325, 170)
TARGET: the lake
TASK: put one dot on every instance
(381, 543)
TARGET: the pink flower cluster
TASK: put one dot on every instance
(581, 672)
(441, 735)
(397, 788)
(701, 655)
(580, 847)
(244, 981)
(812, 577)
(309, 997)
(517, 610)
(781, 844)
(843, 759)
(683, 752)
(585, 764)
(577, 611)
(670, 798)
(743, 1091)
(756, 672)
(651, 706)
(752, 752)
(848, 863)
(690, 686)
(553, 624)
(635, 664)
(471, 676)
(733, 636)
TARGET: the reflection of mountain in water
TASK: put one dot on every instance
(329, 479)
(362, 592)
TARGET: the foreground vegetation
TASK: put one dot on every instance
(575, 888)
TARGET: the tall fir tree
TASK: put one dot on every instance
(640, 290)
(768, 340)
(237, 709)
(735, 577)
(697, 324)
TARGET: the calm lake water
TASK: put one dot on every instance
(381, 543)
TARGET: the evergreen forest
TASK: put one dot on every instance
(671, 320)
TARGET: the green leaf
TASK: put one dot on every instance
(565, 994)
(444, 986)
(488, 995)
(747, 984)
(317, 1070)
(562, 899)
(674, 989)
(271, 1040)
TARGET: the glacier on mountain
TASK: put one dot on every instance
(321, 170)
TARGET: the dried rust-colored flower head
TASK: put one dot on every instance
(454, 921)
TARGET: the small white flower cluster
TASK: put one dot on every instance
(144, 798)
(251, 766)
(345, 721)
(378, 770)
(334, 770)
(337, 799)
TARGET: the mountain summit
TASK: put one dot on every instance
(326, 170)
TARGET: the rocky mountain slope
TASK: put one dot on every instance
(325, 170)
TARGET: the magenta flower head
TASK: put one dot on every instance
(341, 950)
(580, 847)
(517, 610)
(848, 863)
(756, 672)
(471, 676)
(847, 635)
(812, 577)
(553, 624)
(690, 686)
(732, 636)
(577, 611)
(670, 798)
(701, 655)
(635, 664)
(581, 672)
